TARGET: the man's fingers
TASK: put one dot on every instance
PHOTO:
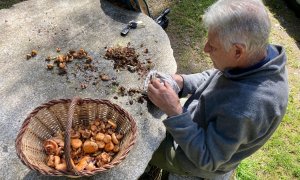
(167, 85)
(156, 83)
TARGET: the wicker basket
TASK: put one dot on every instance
(61, 115)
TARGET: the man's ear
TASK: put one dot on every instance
(240, 51)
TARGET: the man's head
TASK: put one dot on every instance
(238, 32)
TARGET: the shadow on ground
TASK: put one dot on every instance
(5, 4)
(286, 17)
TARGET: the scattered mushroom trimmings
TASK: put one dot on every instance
(91, 147)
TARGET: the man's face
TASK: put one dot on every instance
(219, 56)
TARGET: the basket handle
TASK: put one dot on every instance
(67, 147)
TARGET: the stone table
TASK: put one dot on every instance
(45, 25)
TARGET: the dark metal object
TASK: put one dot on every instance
(162, 19)
(130, 25)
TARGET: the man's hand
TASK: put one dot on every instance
(164, 97)
(179, 80)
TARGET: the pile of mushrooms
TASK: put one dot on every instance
(91, 147)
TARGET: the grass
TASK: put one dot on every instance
(279, 158)
(8, 3)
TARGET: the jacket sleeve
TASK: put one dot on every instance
(191, 82)
(207, 150)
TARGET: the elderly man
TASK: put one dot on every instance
(233, 109)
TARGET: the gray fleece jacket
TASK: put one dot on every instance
(229, 115)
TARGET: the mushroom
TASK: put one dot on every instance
(75, 134)
(109, 147)
(110, 131)
(100, 144)
(102, 125)
(107, 138)
(60, 164)
(76, 143)
(83, 163)
(97, 122)
(93, 128)
(33, 53)
(90, 166)
(75, 153)
(51, 147)
(90, 146)
(85, 133)
(50, 161)
(50, 66)
(114, 138)
(99, 136)
(119, 136)
(59, 141)
(116, 148)
(104, 157)
(112, 123)
(28, 56)
(60, 58)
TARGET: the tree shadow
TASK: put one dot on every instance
(117, 12)
(286, 17)
(5, 4)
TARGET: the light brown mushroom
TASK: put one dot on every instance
(74, 134)
(119, 136)
(90, 166)
(90, 146)
(112, 123)
(60, 164)
(114, 138)
(59, 141)
(86, 133)
(107, 138)
(100, 144)
(75, 153)
(97, 122)
(99, 136)
(109, 147)
(76, 143)
(50, 161)
(82, 163)
(51, 147)
(93, 128)
(116, 148)
(104, 157)
(102, 125)
(110, 131)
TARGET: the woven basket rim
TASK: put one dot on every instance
(129, 146)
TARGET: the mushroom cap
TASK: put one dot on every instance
(50, 147)
(100, 144)
(59, 141)
(50, 161)
(90, 146)
(90, 166)
(112, 123)
(76, 143)
(83, 162)
(107, 138)
(86, 133)
(114, 138)
(109, 147)
(99, 136)
(104, 157)
(75, 134)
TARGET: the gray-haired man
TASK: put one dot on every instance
(233, 109)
